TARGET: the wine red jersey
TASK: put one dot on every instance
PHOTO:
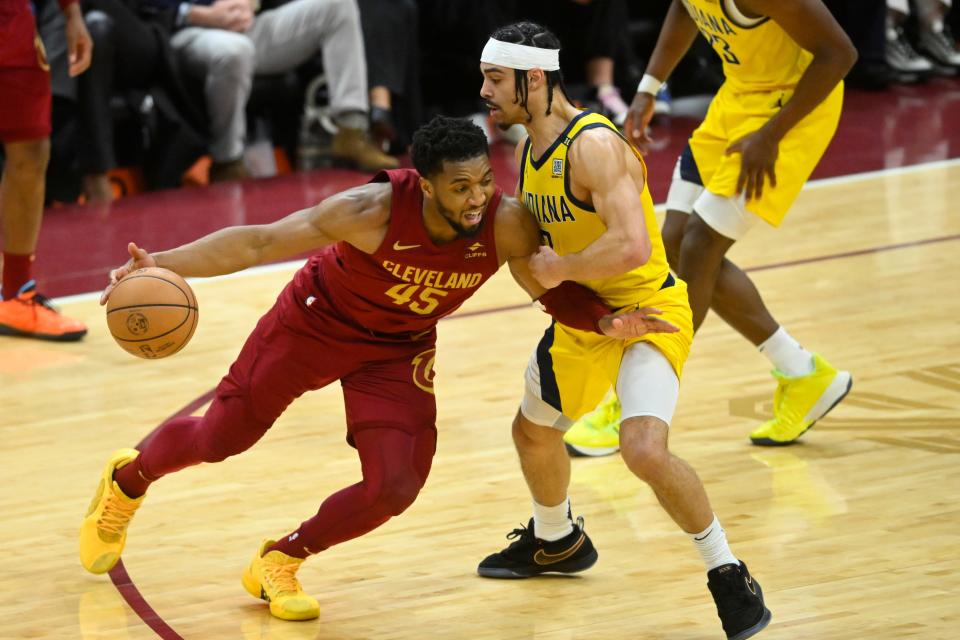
(409, 282)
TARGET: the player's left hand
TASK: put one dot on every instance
(546, 267)
(634, 324)
(79, 44)
(758, 152)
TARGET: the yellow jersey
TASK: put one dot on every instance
(757, 53)
(568, 225)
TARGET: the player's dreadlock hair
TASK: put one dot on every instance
(443, 138)
(532, 34)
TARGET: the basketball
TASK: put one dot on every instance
(152, 313)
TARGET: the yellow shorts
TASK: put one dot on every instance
(577, 368)
(732, 116)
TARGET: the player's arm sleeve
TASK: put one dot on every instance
(575, 306)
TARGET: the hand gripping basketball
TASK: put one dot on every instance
(139, 259)
(152, 313)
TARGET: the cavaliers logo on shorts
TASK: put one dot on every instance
(423, 369)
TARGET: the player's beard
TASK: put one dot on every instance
(451, 219)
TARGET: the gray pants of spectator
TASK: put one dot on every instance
(279, 40)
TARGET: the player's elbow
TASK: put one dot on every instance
(848, 55)
(841, 55)
(636, 253)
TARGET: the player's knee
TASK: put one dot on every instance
(398, 490)
(643, 449)
(699, 246)
(27, 160)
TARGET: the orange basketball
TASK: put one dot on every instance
(152, 313)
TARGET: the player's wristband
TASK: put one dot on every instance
(649, 84)
(575, 306)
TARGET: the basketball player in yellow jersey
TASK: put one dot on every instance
(764, 133)
(587, 188)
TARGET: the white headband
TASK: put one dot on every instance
(520, 56)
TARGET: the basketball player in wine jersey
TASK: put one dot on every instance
(25, 134)
(392, 258)
(587, 187)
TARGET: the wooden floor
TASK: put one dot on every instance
(853, 534)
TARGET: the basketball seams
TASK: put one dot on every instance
(147, 306)
(134, 276)
(159, 335)
(185, 326)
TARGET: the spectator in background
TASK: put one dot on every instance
(25, 133)
(390, 36)
(131, 54)
(225, 43)
(592, 33)
(935, 49)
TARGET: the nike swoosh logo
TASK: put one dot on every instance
(401, 247)
(704, 536)
(749, 581)
(541, 557)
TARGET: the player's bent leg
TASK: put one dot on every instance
(395, 466)
(103, 532)
(546, 469)
(737, 595)
(800, 401)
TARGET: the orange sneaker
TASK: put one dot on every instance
(31, 315)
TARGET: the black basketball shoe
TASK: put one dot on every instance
(529, 556)
(739, 601)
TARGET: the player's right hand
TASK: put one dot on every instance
(634, 324)
(139, 259)
(636, 127)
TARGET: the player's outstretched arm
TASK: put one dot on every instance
(358, 216)
(677, 35)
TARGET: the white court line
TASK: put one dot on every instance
(811, 185)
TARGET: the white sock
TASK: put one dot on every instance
(713, 547)
(552, 523)
(786, 354)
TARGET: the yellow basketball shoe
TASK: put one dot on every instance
(598, 432)
(272, 577)
(104, 529)
(799, 402)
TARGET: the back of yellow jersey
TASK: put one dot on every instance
(757, 54)
(569, 225)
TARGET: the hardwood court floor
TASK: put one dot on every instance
(853, 534)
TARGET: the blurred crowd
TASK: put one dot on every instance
(262, 86)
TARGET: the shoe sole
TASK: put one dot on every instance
(104, 563)
(589, 452)
(60, 337)
(510, 574)
(755, 629)
(837, 382)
